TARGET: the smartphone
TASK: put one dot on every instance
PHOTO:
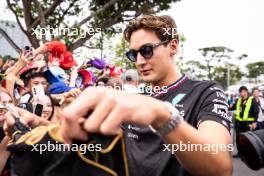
(38, 92)
(28, 53)
(38, 109)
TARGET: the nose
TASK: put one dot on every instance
(140, 60)
(45, 108)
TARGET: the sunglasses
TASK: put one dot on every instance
(145, 50)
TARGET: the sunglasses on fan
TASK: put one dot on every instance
(145, 50)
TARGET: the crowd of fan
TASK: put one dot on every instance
(45, 80)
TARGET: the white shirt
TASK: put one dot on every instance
(261, 110)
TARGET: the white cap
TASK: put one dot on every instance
(131, 75)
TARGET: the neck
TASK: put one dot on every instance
(171, 77)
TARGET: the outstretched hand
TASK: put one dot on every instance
(110, 109)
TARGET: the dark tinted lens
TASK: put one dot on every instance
(131, 55)
(146, 51)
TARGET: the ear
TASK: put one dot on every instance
(173, 45)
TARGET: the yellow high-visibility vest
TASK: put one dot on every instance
(245, 117)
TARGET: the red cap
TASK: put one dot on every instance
(68, 61)
(86, 75)
(27, 68)
(56, 48)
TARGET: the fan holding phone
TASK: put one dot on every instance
(41, 103)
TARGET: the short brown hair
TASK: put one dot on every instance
(157, 24)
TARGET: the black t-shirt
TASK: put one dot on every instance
(197, 101)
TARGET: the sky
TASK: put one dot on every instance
(236, 24)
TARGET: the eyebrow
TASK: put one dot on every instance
(141, 46)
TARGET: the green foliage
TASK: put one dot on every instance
(220, 75)
(216, 64)
(182, 38)
(7, 57)
(214, 56)
(255, 69)
(80, 14)
(194, 69)
(121, 60)
(215, 50)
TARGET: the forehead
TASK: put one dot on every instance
(47, 100)
(243, 91)
(141, 37)
(38, 79)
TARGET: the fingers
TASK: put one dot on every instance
(8, 123)
(94, 121)
(28, 118)
(22, 56)
(5, 141)
(110, 110)
(75, 92)
(71, 130)
(41, 50)
(111, 125)
(73, 115)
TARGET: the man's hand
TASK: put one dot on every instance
(40, 50)
(110, 109)
(4, 143)
(21, 63)
(72, 93)
(3, 153)
(40, 64)
(9, 63)
(25, 117)
(13, 78)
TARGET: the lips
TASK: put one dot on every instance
(145, 72)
